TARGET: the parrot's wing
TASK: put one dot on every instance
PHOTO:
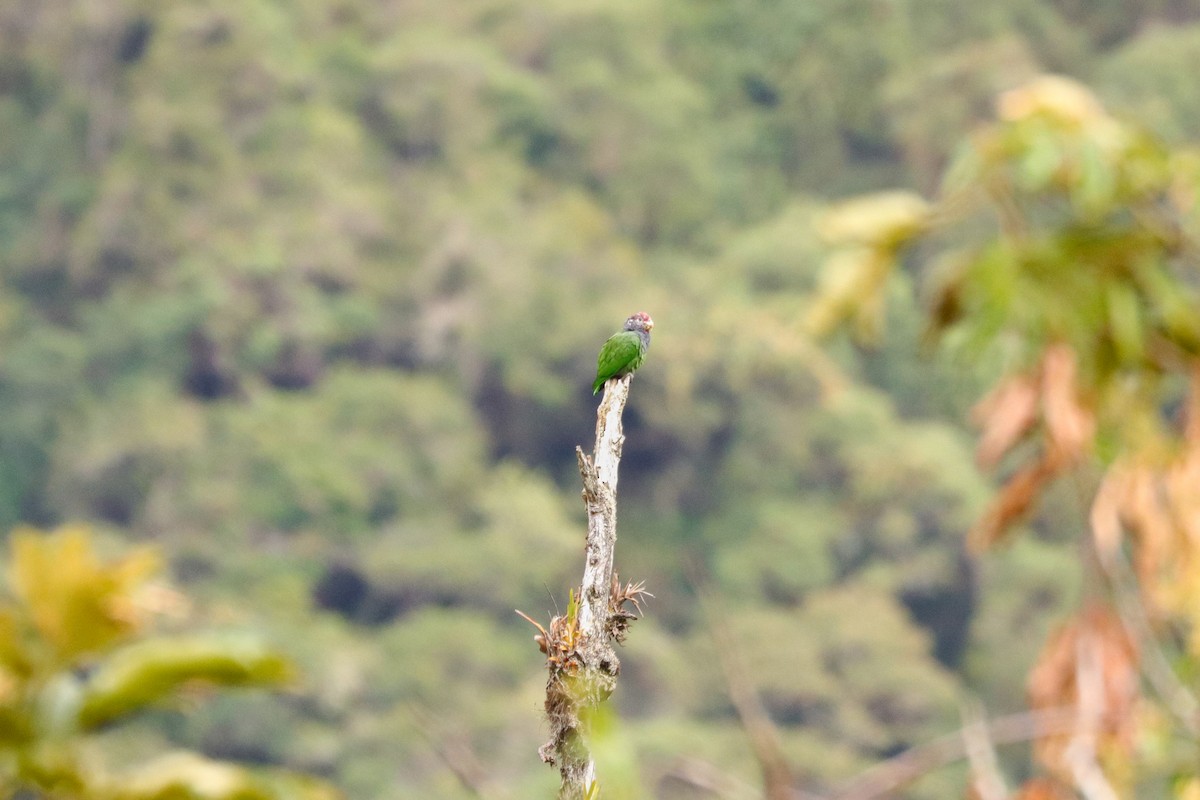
(618, 354)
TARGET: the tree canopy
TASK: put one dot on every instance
(309, 296)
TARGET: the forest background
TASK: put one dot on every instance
(308, 296)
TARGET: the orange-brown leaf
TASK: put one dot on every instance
(1134, 500)
(1070, 426)
(1106, 512)
(1191, 430)
(1043, 789)
(1055, 682)
(1006, 415)
(1011, 504)
(1151, 523)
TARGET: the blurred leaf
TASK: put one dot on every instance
(852, 285)
(13, 656)
(1172, 301)
(885, 220)
(78, 604)
(1090, 662)
(187, 776)
(1070, 423)
(1043, 789)
(151, 672)
(1124, 315)
(1096, 183)
(1012, 503)
(1040, 162)
(1006, 414)
(1053, 97)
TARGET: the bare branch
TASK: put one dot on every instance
(1081, 752)
(695, 773)
(455, 752)
(599, 474)
(760, 730)
(582, 663)
(1179, 699)
(981, 753)
(885, 778)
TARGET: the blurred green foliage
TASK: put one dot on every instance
(1065, 240)
(72, 663)
(309, 296)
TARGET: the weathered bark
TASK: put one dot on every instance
(582, 663)
(599, 474)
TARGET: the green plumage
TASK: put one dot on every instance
(624, 351)
(621, 355)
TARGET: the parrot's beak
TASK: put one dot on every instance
(649, 324)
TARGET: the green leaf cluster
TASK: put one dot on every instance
(73, 663)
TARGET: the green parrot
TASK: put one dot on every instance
(625, 350)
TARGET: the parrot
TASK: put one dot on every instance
(624, 351)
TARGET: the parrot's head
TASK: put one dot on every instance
(639, 322)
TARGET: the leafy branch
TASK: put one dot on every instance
(73, 661)
(1065, 242)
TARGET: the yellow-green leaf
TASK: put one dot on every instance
(153, 671)
(187, 776)
(852, 285)
(1125, 320)
(885, 220)
(77, 603)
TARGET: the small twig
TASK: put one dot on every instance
(981, 753)
(1080, 754)
(885, 778)
(702, 775)
(1178, 699)
(456, 754)
(543, 637)
(761, 731)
